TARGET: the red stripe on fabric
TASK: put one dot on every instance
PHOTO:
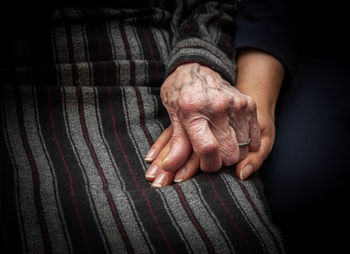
(132, 83)
(42, 143)
(16, 176)
(86, 50)
(193, 219)
(33, 166)
(162, 32)
(246, 193)
(100, 171)
(152, 53)
(212, 20)
(72, 192)
(188, 28)
(150, 209)
(184, 3)
(142, 116)
(99, 42)
(165, 41)
(230, 215)
(100, 51)
(126, 44)
(227, 43)
(139, 101)
(185, 23)
(70, 48)
(128, 53)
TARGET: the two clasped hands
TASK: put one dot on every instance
(209, 118)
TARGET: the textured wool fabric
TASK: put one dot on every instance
(79, 109)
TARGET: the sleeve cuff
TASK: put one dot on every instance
(194, 50)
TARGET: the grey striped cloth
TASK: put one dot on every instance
(79, 110)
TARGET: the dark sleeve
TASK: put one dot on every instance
(269, 25)
(202, 32)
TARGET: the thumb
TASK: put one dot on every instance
(254, 160)
(180, 149)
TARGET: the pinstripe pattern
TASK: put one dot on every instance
(78, 116)
(48, 183)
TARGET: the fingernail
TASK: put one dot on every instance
(164, 162)
(179, 177)
(151, 172)
(246, 171)
(150, 155)
(160, 181)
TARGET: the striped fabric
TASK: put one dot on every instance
(79, 110)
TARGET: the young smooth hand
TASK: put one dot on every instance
(161, 178)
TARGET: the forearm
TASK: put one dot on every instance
(260, 76)
(202, 33)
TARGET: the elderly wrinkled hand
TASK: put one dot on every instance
(208, 117)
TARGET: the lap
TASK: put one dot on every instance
(306, 177)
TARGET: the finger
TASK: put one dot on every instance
(155, 168)
(188, 170)
(228, 146)
(243, 150)
(242, 138)
(239, 120)
(180, 149)
(163, 179)
(220, 125)
(254, 160)
(254, 128)
(204, 145)
(159, 144)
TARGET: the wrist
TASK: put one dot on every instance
(260, 76)
(265, 105)
(266, 113)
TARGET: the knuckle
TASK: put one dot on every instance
(207, 149)
(220, 105)
(255, 145)
(230, 154)
(265, 149)
(268, 147)
(239, 104)
(163, 93)
(167, 85)
(177, 139)
(211, 169)
(231, 159)
(189, 103)
(251, 105)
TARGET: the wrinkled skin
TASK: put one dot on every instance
(209, 118)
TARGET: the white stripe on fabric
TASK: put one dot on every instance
(205, 220)
(119, 50)
(26, 199)
(109, 169)
(139, 138)
(48, 184)
(5, 105)
(193, 241)
(122, 182)
(238, 195)
(242, 203)
(210, 212)
(93, 182)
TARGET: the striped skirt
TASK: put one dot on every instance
(79, 109)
